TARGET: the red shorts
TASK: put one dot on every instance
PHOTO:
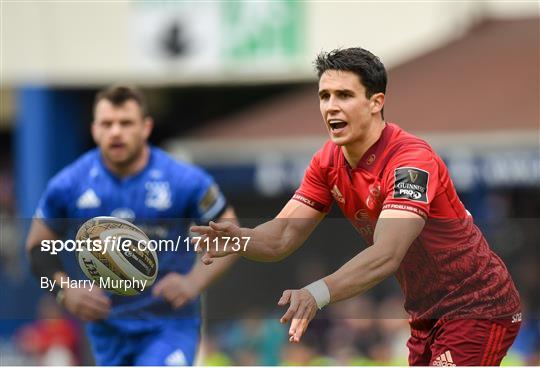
(463, 342)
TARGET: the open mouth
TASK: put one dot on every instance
(336, 124)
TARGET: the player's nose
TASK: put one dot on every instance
(333, 104)
(116, 129)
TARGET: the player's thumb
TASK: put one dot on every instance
(220, 226)
(179, 301)
(285, 297)
(206, 259)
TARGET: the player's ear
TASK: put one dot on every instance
(148, 126)
(93, 130)
(377, 102)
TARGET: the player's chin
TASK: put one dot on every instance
(339, 141)
(118, 157)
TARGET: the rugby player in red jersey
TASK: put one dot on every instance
(396, 191)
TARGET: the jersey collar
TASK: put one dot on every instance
(369, 160)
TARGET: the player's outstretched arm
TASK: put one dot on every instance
(85, 303)
(179, 289)
(394, 233)
(268, 242)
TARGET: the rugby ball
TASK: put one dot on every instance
(116, 260)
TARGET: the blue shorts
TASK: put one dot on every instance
(174, 343)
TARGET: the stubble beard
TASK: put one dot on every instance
(122, 164)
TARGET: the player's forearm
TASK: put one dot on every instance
(264, 243)
(362, 272)
(394, 233)
(202, 276)
(271, 241)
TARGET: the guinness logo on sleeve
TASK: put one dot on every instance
(414, 175)
(411, 183)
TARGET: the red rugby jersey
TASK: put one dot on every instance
(449, 270)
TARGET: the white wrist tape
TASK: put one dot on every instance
(320, 292)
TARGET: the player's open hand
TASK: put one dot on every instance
(218, 239)
(301, 310)
(87, 304)
(175, 288)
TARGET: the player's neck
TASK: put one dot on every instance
(355, 151)
(131, 168)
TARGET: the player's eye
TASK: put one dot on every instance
(126, 123)
(324, 96)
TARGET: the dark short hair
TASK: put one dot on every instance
(120, 94)
(361, 62)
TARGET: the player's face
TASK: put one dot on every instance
(120, 131)
(346, 110)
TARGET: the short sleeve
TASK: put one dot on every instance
(314, 190)
(411, 181)
(208, 202)
(52, 206)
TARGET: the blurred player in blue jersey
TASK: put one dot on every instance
(126, 177)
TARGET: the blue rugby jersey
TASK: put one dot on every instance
(162, 199)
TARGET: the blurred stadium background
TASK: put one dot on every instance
(231, 87)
